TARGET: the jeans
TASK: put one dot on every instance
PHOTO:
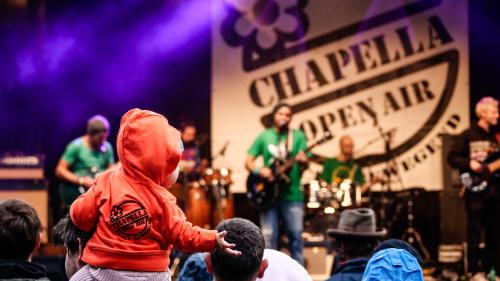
(292, 214)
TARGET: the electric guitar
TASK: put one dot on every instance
(264, 193)
(477, 183)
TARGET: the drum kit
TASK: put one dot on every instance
(323, 203)
(329, 198)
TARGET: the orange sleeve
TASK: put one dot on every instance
(84, 210)
(183, 235)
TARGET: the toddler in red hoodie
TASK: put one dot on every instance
(135, 218)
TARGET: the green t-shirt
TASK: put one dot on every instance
(267, 145)
(84, 162)
(336, 171)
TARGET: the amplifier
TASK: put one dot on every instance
(21, 176)
(20, 167)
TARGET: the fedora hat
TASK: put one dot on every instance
(357, 223)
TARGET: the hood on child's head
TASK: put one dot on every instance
(148, 147)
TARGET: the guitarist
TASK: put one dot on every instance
(83, 159)
(280, 142)
(483, 208)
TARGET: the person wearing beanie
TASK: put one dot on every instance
(135, 217)
(393, 265)
(83, 159)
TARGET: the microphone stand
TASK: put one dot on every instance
(221, 152)
(391, 164)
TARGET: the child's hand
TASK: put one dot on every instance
(226, 247)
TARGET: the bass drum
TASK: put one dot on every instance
(198, 207)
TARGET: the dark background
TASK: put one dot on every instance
(62, 61)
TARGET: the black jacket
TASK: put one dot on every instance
(22, 270)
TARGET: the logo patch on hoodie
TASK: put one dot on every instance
(130, 220)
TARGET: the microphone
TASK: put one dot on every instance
(223, 150)
(392, 131)
(283, 126)
(388, 133)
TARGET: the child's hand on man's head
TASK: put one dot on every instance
(225, 246)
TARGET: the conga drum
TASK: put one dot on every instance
(222, 199)
(198, 207)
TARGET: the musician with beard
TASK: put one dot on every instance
(277, 143)
(468, 154)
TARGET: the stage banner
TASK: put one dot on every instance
(394, 75)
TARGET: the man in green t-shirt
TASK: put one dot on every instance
(279, 142)
(83, 159)
(343, 167)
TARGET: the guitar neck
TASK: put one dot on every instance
(290, 162)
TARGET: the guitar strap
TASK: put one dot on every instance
(352, 171)
(289, 143)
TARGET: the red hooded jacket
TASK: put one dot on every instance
(135, 218)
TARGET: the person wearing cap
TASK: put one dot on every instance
(135, 217)
(393, 265)
(281, 142)
(355, 238)
(84, 158)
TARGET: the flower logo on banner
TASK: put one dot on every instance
(263, 26)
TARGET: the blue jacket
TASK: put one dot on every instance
(351, 270)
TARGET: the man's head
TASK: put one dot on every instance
(355, 247)
(188, 133)
(282, 115)
(74, 240)
(250, 241)
(97, 130)
(20, 230)
(346, 145)
(356, 234)
(487, 110)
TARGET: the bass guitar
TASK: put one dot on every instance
(264, 193)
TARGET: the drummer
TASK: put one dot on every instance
(191, 164)
(343, 167)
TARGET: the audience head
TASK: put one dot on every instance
(20, 230)
(400, 244)
(356, 234)
(250, 241)
(393, 264)
(75, 241)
